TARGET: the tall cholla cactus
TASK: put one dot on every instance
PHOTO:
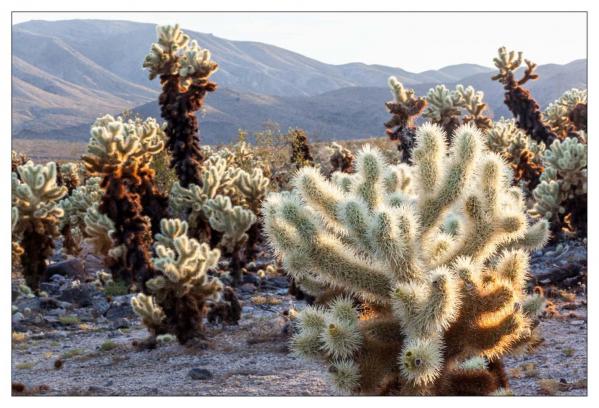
(405, 107)
(120, 153)
(444, 267)
(233, 222)
(521, 152)
(184, 69)
(561, 196)
(518, 99)
(445, 108)
(341, 158)
(183, 288)
(36, 196)
(568, 114)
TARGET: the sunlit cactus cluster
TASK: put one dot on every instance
(438, 299)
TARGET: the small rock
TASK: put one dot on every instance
(251, 278)
(49, 303)
(577, 322)
(51, 288)
(100, 305)
(17, 317)
(200, 374)
(120, 307)
(122, 323)
(247, 288)
(58, 279)
(81, 295)
(279, 282)
(71, 268)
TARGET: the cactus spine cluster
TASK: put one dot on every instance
(439, 295)
(340, 158)
(184, 69)
(182, 290)
(37, 217)
(568, 115)
(121, 152)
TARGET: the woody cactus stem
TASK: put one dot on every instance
(404, 108)
(518, 99)
(184, 69)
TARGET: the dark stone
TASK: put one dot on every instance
(100, 304)
(251, 278)
(49, 303)
(80, 295)
(122, 323)
(120, 307)
(247, 288)
(50, 288)
(71, 268)
(279, 281)
(32, 303)
(200, 374)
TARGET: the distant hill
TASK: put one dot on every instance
(67, 73)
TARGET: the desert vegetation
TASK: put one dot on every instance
(417, 263)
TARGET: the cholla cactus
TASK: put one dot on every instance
(567, 115)
(561, 196)
(341, 159)
(17, 250)
(217, 178)
(69, 175)
(36, 197)
(405, 107)
(300, 148)
(120, 153)
(472, 103)
(98, 233)
(519, 150)
(184, 69)
(183, 288)
(445, 107)
(439, 298)
(519, 101)
(253, 187)
(16, 160)
(233, 222)
(75, 206)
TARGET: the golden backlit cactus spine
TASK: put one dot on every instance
(36, 197)
(120, 152)
(438, 298)
(561, 196)
(182, 290)
(184, 69)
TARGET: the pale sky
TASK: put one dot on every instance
(412, 41)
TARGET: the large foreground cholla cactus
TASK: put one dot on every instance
(183, 289)
(120, 152)
(561, 196)
(36, 196)
(184, 69)
(442, 269)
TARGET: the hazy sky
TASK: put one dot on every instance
(412, 41)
